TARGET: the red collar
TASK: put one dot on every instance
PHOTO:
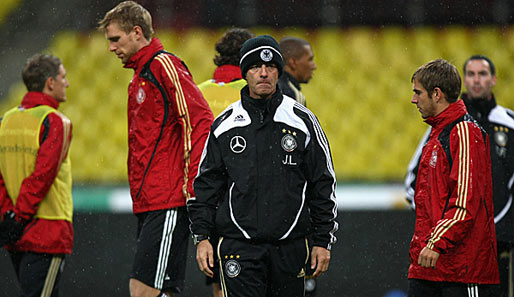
(449, 115)
(227, 73)
(139, 59)
(33, 99)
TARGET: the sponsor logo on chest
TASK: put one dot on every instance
(288, 143)
(239, 118)
(237, 144)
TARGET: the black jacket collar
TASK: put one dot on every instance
(479, 108)
(268, 105)
(292, 80)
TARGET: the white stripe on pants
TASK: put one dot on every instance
(167, 238)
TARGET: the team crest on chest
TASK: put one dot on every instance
(501, 138)
(288, 141)
(141, 95)
(433, 158)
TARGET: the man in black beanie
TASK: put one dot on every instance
(265, 154)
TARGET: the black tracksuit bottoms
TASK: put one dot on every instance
(257, 269)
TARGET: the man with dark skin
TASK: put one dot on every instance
(298, 67)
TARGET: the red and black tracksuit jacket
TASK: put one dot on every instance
(168, 123)
(453, 198)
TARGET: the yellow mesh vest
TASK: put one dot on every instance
(19, 144)
(220, 96)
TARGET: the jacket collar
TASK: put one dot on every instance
(271, 104)
(227, 73)
(479, 106)
(139, 59)
(292, 80)
(449, 115)
(33, 99)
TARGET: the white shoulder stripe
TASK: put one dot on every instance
(238, 118)
(500, 115)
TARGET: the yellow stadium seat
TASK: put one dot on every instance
(360, 92)
(7, 7)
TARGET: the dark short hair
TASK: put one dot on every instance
(292, 47)
(480, 57)
(229, 45)
(38, 69)
(441, 74)
(128, 14)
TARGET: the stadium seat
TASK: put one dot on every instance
(6, 8)
(360, 92)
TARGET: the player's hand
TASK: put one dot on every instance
(428, 257)
(320, 257)
(205, 257)
(10, 229)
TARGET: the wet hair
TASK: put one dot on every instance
(292, 47)
(441, 74)
(128, 14)
(480, 57)
(38, 69)
(229, 45)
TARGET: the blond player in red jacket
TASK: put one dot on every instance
(36, 207)
(453, 250)
(168, 123)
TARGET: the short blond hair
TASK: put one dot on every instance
(128, 14)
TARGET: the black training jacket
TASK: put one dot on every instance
(498, 122)
(266, 175)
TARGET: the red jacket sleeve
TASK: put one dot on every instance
(468, 177)
(191, 109)
(35, 187)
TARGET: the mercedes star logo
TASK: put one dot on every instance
(237, 144)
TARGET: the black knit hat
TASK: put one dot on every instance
(260, 49)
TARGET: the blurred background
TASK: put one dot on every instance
(365, 51)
